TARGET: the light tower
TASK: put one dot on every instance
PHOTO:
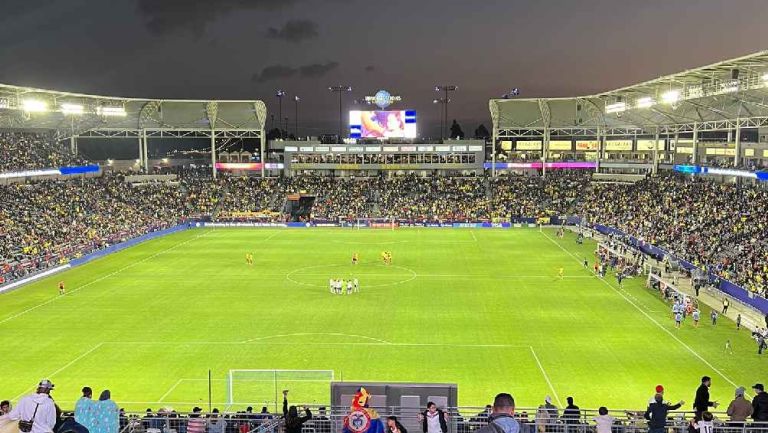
(445, 88)
(340, 90)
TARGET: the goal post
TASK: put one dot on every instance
(251, 387)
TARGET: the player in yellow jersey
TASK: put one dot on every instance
(384, 257)
(355, 258)
(561, 273)
(62, 290)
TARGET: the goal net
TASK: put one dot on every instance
(265, 387)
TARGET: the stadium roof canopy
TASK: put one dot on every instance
(75, 114)
(721, 96)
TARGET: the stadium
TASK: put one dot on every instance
(593, 250)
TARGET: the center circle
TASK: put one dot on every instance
(368, 275)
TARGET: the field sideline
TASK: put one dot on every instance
(482, 308)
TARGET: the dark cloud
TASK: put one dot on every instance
(294, 31)
(317, 69)
(370, 68)
(277, 72)
(274, 72)
(166, 16)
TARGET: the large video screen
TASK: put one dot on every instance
(382, 124)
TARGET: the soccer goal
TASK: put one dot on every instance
(265, 387)
(375, 223)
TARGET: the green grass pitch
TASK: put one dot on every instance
(481, 308)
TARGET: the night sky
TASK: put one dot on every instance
(233, 49)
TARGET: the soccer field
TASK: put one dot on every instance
(481, 308)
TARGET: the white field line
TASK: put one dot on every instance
(102, 278)
(472, 232)
(292, 343)
(167, 393)
(659, 325)
(67, 365)
(303, 334)
(546, 376)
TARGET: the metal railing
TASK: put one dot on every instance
(460, 420)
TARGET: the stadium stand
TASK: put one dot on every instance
(25, 151)
(714, 225)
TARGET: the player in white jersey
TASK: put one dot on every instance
(330, 285)
(357, 286)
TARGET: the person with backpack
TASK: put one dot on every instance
(502, 419)
(36, 413)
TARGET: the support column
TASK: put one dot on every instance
(263, 152)
(73, 144)
(140, 162)
(695, 157)
(737, 157)
(146, 153)
(599, 149)
(213, 152)
(545, 149)
(656, 153)
(494, 137)
(677, 141)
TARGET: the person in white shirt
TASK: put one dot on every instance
(357, 287)
(603, 422)
(705, 425)
(330, 285)
(38, 408)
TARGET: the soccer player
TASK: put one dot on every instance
(339, 286)
(355, 258)
(728, 347)
(389, 257)
(586, 263)
(330, 285)
(738, 322)
(349, 287)
(357, 286)
(696, 315)
(726, 304)
(384, 257)
(713, 316)
(678, 319)
(62, 290)
(561, 272)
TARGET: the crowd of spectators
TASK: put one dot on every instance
(717, 226)
(29, 151)
(720, 227)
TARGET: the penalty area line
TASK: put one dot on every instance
(546, 376)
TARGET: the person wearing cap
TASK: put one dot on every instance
(196, 424)
(759, 403)
(38, 408)
(502, 419)
(740, 409)
(546, 415)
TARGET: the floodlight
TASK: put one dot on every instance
(645, 102)
(765, 77)
(671, 96)
(617, 107)
(72, 109)
(34, 106)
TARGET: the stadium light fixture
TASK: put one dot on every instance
(111, 111)
(74, 109)
(645, 102)
(671, 97)
(765, 76)
(34, 106)
(618, 107)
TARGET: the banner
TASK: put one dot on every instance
(618, 145)
(560, 145)
(528, 145)
(650, 144)
(587, 144)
